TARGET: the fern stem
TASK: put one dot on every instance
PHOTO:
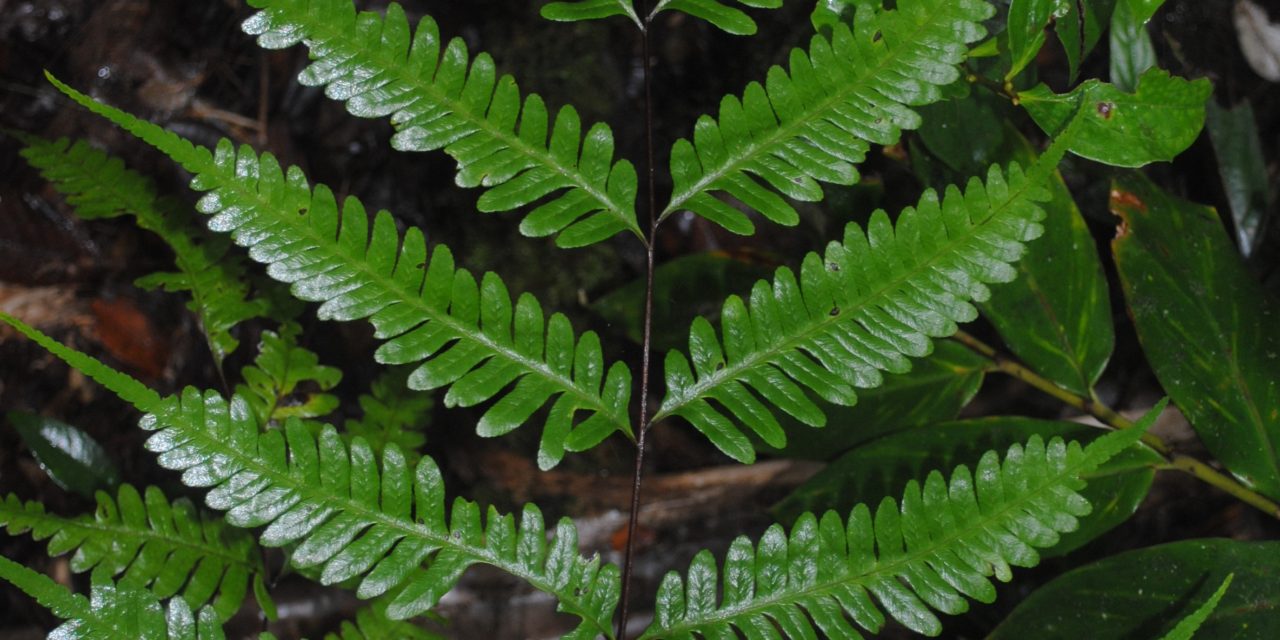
(647, 342)
(1094, 407)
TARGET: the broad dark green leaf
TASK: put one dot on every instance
(1208, 329)
(936, 389)
(71, 457)
(966, 133)
(1132, 53)
(1237, 144)
(881, 467)
(1145, 593)
(589, 10)
(1081, 27)
(1025, 29)
(683, 288)
(727, 18)
(1155, 123)
(1056, 316)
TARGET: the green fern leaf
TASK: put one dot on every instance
(350, 514)
(868, 305)
(474, 339)
(112, 611)
(446, 99)
(99, 186)
(579, 10)
(933, 552)
(150, 542)
(814, 122)
(392, 414)
(278, 385)
(718, 13)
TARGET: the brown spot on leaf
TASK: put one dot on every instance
(1105, 109)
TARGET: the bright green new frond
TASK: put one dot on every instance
(473, 339)
(440, 97)
(112, 611)
(867, 306)
(148, 542)
(352, 515)
(99, 186)
(272, 383)
(813, 122)
(934, 551)
(720, 12)
(392, 414)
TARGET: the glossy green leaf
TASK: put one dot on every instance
(936, 388)
(1132, 52)
(71, 457)
(579, 10)
(720, 13)
(876, 469)
(683, 288)
(1155, 123)
(1081, 27)
(1145, 593)
(440, 97)
(934, 551)
(967, 133)
(1026, 30)
(146, 540)
(1056, 316)
(1250, 192)
(1207, 328)
(827, 13)
(814, 121)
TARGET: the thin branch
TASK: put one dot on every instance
(647, 343)
(1108, 416)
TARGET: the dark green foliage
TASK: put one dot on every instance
(392, 414)
(286, 380)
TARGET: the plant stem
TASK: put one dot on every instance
(1108, 416)
(646, 344)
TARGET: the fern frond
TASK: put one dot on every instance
(868, 305)
(112, 611)
(813, 123)
(933, 552)
(350, 514)
(97, 185)
(271, 383)
(392, 414)
(471, 336)
(440, 97)
(719, 13)
(149, 542)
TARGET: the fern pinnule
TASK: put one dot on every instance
(868, 304)
(813, 122)
(441, 97)
(470, 335)
(935, 550)
(165, 546)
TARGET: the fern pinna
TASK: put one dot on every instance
(150, 542)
